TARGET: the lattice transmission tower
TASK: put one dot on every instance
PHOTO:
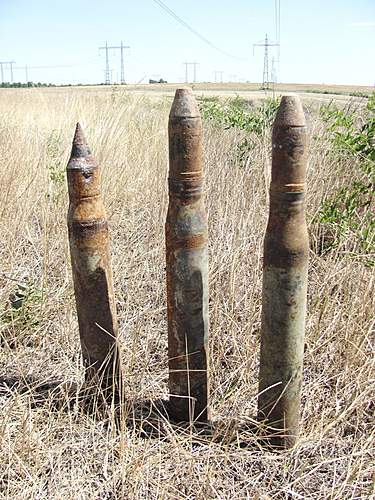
(265, 44)
(107, 48)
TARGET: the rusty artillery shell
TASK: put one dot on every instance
(91, 267)
(286, 248)
(187, 263)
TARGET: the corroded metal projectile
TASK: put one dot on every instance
(187, 263)
(286, 248)
(91, 267)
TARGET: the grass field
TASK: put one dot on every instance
(323, 89)
(49, 447)
(249, 90)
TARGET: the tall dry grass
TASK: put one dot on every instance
(49, 448)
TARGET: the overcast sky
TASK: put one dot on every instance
(331, 41)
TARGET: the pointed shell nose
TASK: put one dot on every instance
(80, 148)
(290, 112)
(184, 105)
(82, 171)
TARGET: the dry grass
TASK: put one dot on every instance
(49, 448)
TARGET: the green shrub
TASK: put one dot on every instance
(351, 209)
(239, 114)
(21, 314)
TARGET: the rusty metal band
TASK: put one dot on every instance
(190, 243)
(287, 197)
(82, 164)
(188, 187)
(289, 126)
(288, 188)
(79, 198)
(181, 120)
(88, 227)
(285, 259)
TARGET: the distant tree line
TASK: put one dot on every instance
(19, 85)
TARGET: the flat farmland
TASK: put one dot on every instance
(308, 92)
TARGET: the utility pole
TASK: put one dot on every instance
(218, 73)
(187, 64)
(194, 64)
(273, 70)
(273, 76)
(107, 71)
(107, 74)
(26, 74)
(122, 47)
(11, 71)
(186, 71)
(2, 69)
(265, 44)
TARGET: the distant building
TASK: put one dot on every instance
(157, 81)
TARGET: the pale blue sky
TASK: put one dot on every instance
(329, 41)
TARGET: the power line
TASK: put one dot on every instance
(27, 68)
(278, 40)
(277, 20)
(195, 32)
(52, 66)
(277, 33)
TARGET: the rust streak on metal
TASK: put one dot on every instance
(285, 262)
(197, 241)
(288, 188)
(187, 267)
(91, 268)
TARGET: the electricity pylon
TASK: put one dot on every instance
(107, 71)
(265, 44)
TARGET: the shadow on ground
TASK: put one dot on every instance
(147, 419)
